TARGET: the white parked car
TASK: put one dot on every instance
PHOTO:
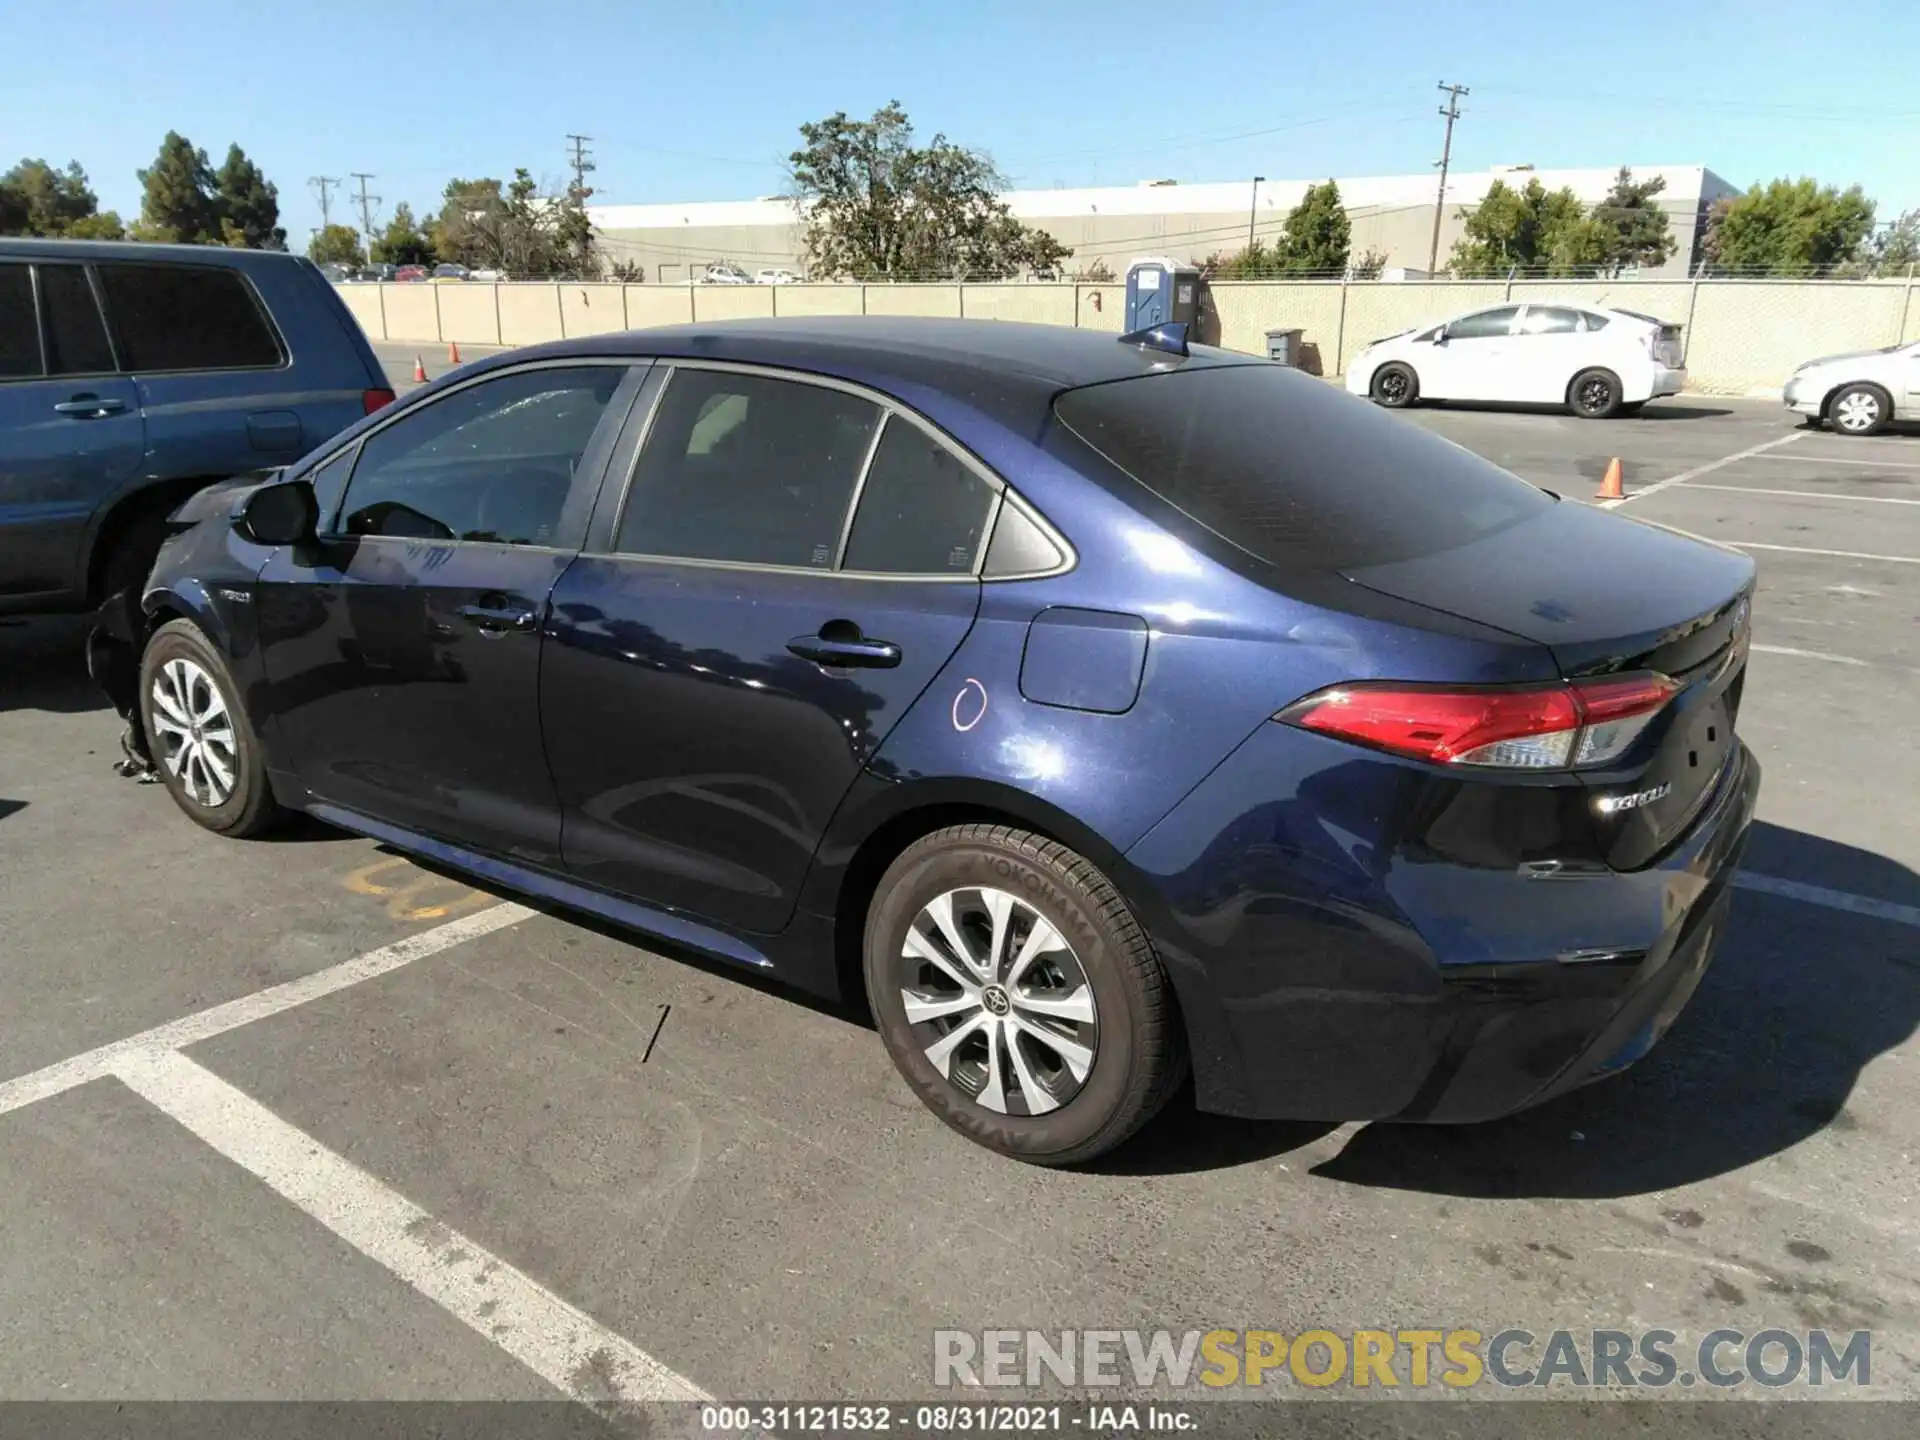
(776, 277)
(1861, 393)
(724, 275)
(1594, 360)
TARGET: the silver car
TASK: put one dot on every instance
(1861, 393)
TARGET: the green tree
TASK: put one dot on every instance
(1319, 237)
(1792, 227)
(36, 199)
(1368, 266)
(514, 228)
(1896, 250)
(336, 245)
(1530, 230)
(1638, 231)
(878, 206)
(403, 242)
(248, 204)
(178, 203)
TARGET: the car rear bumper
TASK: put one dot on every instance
(1379, 981)
(1669, 382)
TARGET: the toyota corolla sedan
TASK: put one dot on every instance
(1099, 711)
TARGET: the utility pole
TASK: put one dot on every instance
(324, 185)
(367, 202)
(1451, 110)
(581, 161)
(1252, 209)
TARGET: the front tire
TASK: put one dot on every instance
(1018, 996)
(203, 745)
(1394, 386)
(1860, 410)
(1594, 395)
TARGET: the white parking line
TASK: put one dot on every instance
(1832, 899)
(561, 1344)
(1837, 460)
(1833, 554)
(1804, 494)
(66, 1074)
(1806, 654)
(1707, 469)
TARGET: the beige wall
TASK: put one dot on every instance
(592, 309)
(1741, 334)
(469, 313)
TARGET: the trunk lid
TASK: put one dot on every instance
(1607, 595)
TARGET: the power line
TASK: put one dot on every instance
(367, 202)
(1452, 111)
(324, 184)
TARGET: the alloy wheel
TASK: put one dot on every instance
(1393, 387)
(195, 732)
(998, 1001)
(1857, 410)
(1594, 395)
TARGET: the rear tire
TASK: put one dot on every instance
(1394, 386)
(1064, 1056)
(203, 746)
(1594, 395)
(1860, 410)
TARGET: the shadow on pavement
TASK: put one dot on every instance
(1799, 999)
(11, 807)
(43, 660)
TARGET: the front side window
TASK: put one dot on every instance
(492, 463)
(187, 317)
(19, 328)
(747, 468)
(1483, 326)
(922, 511)
(76, 336)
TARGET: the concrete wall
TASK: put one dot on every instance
(1741, 335)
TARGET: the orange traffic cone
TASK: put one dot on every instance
(419, 371)
(453, 352)
(1611, 487)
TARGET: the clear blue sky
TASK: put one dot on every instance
(690, 101)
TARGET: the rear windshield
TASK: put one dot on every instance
(1292, 470)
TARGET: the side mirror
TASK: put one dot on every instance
(1440, 336)
(285, 514)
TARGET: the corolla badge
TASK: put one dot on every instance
(1613, 804)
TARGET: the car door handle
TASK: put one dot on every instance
(89, 407)
(838, 651)
(498, 619)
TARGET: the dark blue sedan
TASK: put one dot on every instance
(1097, 709)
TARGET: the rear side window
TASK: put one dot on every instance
(1545, 320)
(76, 336)
(1293, 471)
(19, 333)
(747, 468)
(922, 512)
(188, 317)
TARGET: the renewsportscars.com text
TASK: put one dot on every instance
(1402, 1358)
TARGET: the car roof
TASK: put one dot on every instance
(973, 360)
(103, 251)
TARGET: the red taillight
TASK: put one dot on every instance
(372, 400)
(1546, 727)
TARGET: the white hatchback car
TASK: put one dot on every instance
(1594, 360)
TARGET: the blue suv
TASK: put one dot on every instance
(132, 376)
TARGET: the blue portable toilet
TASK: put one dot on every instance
(1160, 291)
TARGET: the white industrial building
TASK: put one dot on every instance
(1392, 214)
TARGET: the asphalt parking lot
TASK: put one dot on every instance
(380, 1135)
